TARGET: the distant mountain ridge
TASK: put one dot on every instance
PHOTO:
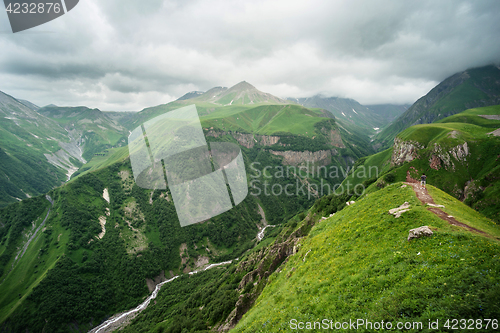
(350, 111)
(476, 87)
(389, 112)
(191, 94)
(25, 136)
(242, 93)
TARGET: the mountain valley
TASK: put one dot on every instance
(80, 241)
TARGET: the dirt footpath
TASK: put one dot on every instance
(425, 198)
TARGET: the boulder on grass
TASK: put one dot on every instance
(419, 232)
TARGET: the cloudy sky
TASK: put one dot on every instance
(127, 55)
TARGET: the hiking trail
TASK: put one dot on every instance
(425, 198)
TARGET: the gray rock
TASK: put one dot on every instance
(400, 210)
(419, 232)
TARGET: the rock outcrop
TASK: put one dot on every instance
(419, 232)
(400, 210)
(440, 157)
(405, 151)
(260, 265)
(320, 157)
(247, 140)
(335, 139)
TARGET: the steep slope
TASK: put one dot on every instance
(25, 136)
(355, 264)
(42, 147)
(358, 264)
(459, 154)
(346, 110)
(103, 238)
(93, 129)
(472, 88)
(30, 105)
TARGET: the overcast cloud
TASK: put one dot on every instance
(127, 54)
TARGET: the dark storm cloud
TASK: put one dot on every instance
(118, 54)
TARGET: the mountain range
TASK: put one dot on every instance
(81, 243)
(471, 88)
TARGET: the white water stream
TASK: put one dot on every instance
(144, 304)
(123, 316)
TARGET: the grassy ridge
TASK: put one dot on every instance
(358, 264)
(478, 170)
(474, 87)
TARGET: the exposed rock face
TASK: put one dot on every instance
(250, 140)
(419, 232)
(440, 157)
(471, 189)
(335, 139)
(321, 157)
(151, 283)
(405, 151)
(247, 140)
(267, 264)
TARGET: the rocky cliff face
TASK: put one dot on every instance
(405, 151)
(250, 140)
(335, 139)
(247, 140)
(439, 157)
(321, 157)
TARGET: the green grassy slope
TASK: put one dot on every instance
(102, 160)
(265, 119)
(475, 87)
(25, 136)
(93, 128)
(478, 170)
(359, 264)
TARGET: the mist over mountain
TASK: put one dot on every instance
(389, 112)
